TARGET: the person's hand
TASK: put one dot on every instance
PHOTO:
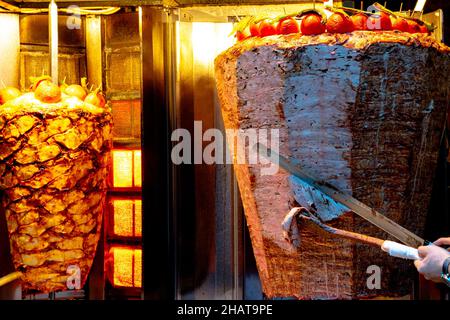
(443, 242)
(432, 260)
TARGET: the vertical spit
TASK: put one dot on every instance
(53, 40)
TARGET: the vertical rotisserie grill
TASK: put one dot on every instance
(341, 99)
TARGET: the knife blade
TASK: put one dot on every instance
(373, 216)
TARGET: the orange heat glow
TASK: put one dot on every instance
(137, 168)
(127, 268)
(127, 168)
(122, 168)
(138, 218)
(127, 218)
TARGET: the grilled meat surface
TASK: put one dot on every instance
(364, 111)
(54, 161)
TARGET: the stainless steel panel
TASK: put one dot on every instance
(122, 29)
(172, 3)
(210, 258)
(226, 12)
(436, 18)
(94, 50)
(86, 3)
(157, 192)
(195, 208)
(34, 30)
(10, 48)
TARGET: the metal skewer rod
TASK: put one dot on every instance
(53, 40)
(10, 278)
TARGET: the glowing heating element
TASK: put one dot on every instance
(127, 217)
(127, 168)
(127, 267)
(137, 168)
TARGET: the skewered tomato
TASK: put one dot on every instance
(413, 27)
(339, 23)
(254, 29)
(423, 29)
(8, 93)
(287, 26)
(379, 21)
(359, 21)
(47, 92)
(312, 24)
(399, 24)
(242, 35)
(267, 28)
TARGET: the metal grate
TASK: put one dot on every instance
(36, 63)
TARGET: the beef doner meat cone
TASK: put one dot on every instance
(54, 160)
(363, 110)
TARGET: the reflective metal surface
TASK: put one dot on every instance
(210, 256)
(158, 228)
(9, 54)
(34, 30)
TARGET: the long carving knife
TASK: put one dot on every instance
(354, 205)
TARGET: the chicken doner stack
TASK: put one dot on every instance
(54, 159)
